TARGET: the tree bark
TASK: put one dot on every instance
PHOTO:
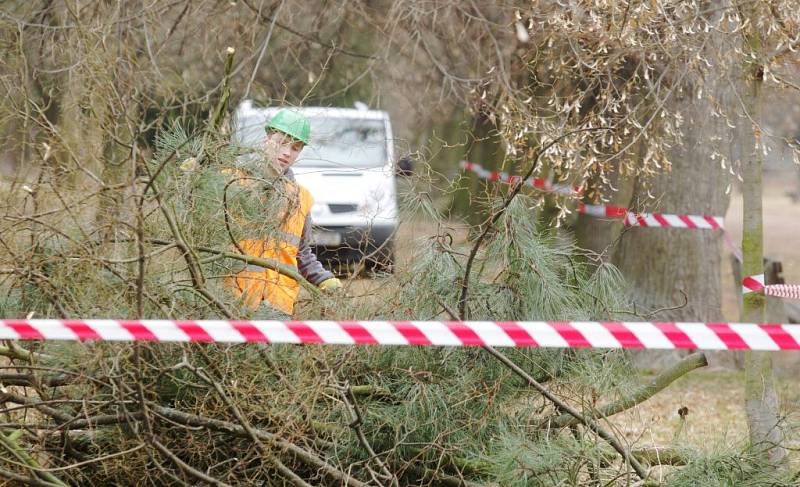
(761, 399)
(598, 234)
(662, 262)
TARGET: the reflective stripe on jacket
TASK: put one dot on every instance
(256, 284)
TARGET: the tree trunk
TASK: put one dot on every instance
(674, 273)
(599, 234)
(667, 267)
(761, 399)
(484, 148)
(663, 264)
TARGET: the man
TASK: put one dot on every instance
(287, 133)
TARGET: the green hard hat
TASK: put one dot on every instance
(291, 123)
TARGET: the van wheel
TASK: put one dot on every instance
(382, 260)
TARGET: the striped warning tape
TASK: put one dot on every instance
(631, 218)
(662, 220)
(634, 219)
(646, 335)
(538, 183)
(789, 291)
(755, 284)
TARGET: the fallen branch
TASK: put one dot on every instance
(434, 477)
(23, 480)
(460, 464)
(303, 455)
(267, 263)
(185, 466)
(31, 402)
(357, 420)
(195, 271)
(259, 261)
(15, 352)
(659, 383)
(369, 391)
(651, 455)
(30, 380)
(661, 455)
(248, 428)
(188, 419)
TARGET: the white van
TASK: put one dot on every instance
(348, 168)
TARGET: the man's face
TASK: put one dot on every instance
(281, 150)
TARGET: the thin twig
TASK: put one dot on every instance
(282, 468)
(308, 37)
(259, 261)
(196, 273)
(32, 481)
(10, 443)
(349, 399)
(185, 466)
(238, 430)
(274, 15)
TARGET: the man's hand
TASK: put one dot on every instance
(331, 285)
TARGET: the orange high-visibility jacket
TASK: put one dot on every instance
(256, 284)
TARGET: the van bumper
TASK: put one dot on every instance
(356, 242)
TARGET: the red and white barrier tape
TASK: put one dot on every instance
(503, 177)
(788, 291)
(633, 219)
(662, 220)
(755, 284)
(707, 336)
(603, 211)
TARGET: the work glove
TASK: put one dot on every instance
(331, 285)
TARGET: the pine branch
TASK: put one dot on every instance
(592, 425)
(193, 420)
(563, 406)
(185, 466)
(349, 399)
(196, 273)
(23, 480)
(15, 352)
(462, 300)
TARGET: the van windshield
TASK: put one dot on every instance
(345, 142)
(335, 142)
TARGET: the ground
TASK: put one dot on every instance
(715, 397)
(715, 400)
